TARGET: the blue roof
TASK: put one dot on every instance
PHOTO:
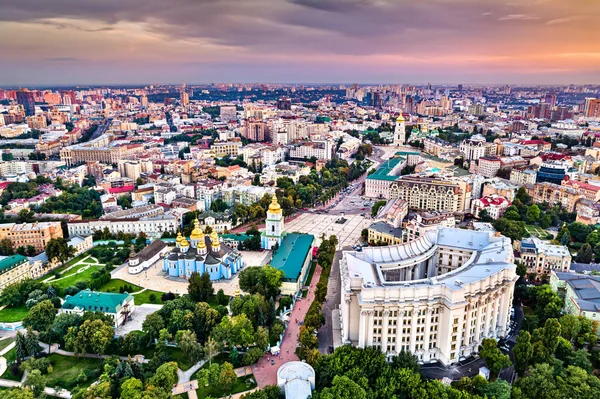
(291, 254)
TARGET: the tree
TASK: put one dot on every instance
(498, 389)
(585, 254)
(234, 331)
(204, 319)
(41, 316)
(342, 388)
(533, 213)
(152, 326)
(521, 268)
(200, 287)
(210, 349)
(93, 336)
(165, 377)
(523, 196)
(227, 376)
(131, 388)
(569, 326)
(494, 359)
(406, 360)
(221, 298)
(523, 351)
(186, 340)
(59, 248)
(264, 280)
(36, 382)
(6, 247)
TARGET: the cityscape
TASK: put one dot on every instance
(277, 200)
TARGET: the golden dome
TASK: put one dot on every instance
(274, 207)
(214, 237)
(179, 237)
(400, 118)
(184, 242)
(197, 233)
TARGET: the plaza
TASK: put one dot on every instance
(348, 233)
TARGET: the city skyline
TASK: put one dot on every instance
(365, 41)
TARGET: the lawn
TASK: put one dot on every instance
(537, 231)
(73, 278)
(115, 285)
(313, 267)
(69, 263)
(5, 342)
(144, 297)
(11, 356)
(12, 314)
(242, 384)
(66, 369)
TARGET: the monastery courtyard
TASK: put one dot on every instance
(155, 279)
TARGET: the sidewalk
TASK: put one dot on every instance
(265, 373)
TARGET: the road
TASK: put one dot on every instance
(102, 129)
(332, 301)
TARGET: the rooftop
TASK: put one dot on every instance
(384, 172)
(385, 228)
(11, 261)
(291, 254)
(96, 301)
(585, 287)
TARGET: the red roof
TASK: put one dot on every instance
(118, 190)
(583, 186)
(537, 142)
(493, 201)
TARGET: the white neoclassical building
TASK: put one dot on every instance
(437, 296)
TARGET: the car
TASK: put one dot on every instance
(272, 362)
(362, 214)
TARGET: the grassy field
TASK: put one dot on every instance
(5, 342)
(74, 277)
(11, 356)
(313, 266)
(9, 315)
(242, 384)
(66, 369)
(536, 231)
(141, 298)
(68, 264)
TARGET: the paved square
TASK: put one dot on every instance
(138, 317)
(348, 233)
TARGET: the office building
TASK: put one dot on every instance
(36, 234)
(17, 268)
(437, 297)
(27, 100)
(540, 257)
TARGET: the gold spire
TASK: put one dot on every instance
(179, 237)
(197, 233)
(400, 118)
(274, 207)
(214, 237)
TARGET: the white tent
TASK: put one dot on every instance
(275, 350)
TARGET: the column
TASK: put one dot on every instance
(399, 330)
(428, 315)
(413, 330)
(478, 322)
(488, 311)
(348, 302)
(468, 325)
(384, 331)
(362, 330)
(505, 304)
(496, 305)
(370, 325)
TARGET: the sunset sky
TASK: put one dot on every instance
(315, 41)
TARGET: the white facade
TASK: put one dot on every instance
(399, 132)
(149, 226)
(437, 296)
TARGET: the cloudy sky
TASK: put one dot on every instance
(366, 41)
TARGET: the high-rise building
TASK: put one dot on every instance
(27, 100)
(592, 108)
(284, 104)
(550, 99)
(255, 129)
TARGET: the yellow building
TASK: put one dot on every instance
(16, 268)
(383, 233)
(35, 234)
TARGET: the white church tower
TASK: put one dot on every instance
(399, 131)
(274, 226)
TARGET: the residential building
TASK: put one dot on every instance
(427, 296)
(223, 148)
(522, 176)
(380, 233)
(377, 184)
(320, 149)
(245, 195)
(26, 98)
(588, 212)
(432, 192)
(16, 268)
(208, 191)
(540, 257)
(477, 147)
(494, 205)
(217, 221)
(553, 194)
(255, 130)
(228, 113)
(138, 212)
(419, 223)
(581, 293)
(36, 234)
(119, 307)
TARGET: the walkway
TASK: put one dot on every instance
(86, 355)
(265, 373)
(184, 376)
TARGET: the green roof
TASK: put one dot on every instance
(107, 302)
(235, 237)
(383, 172)
(11, 261)
(408, 153)
(291, 254)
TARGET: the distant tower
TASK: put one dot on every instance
(274, 226)
(399, 131)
